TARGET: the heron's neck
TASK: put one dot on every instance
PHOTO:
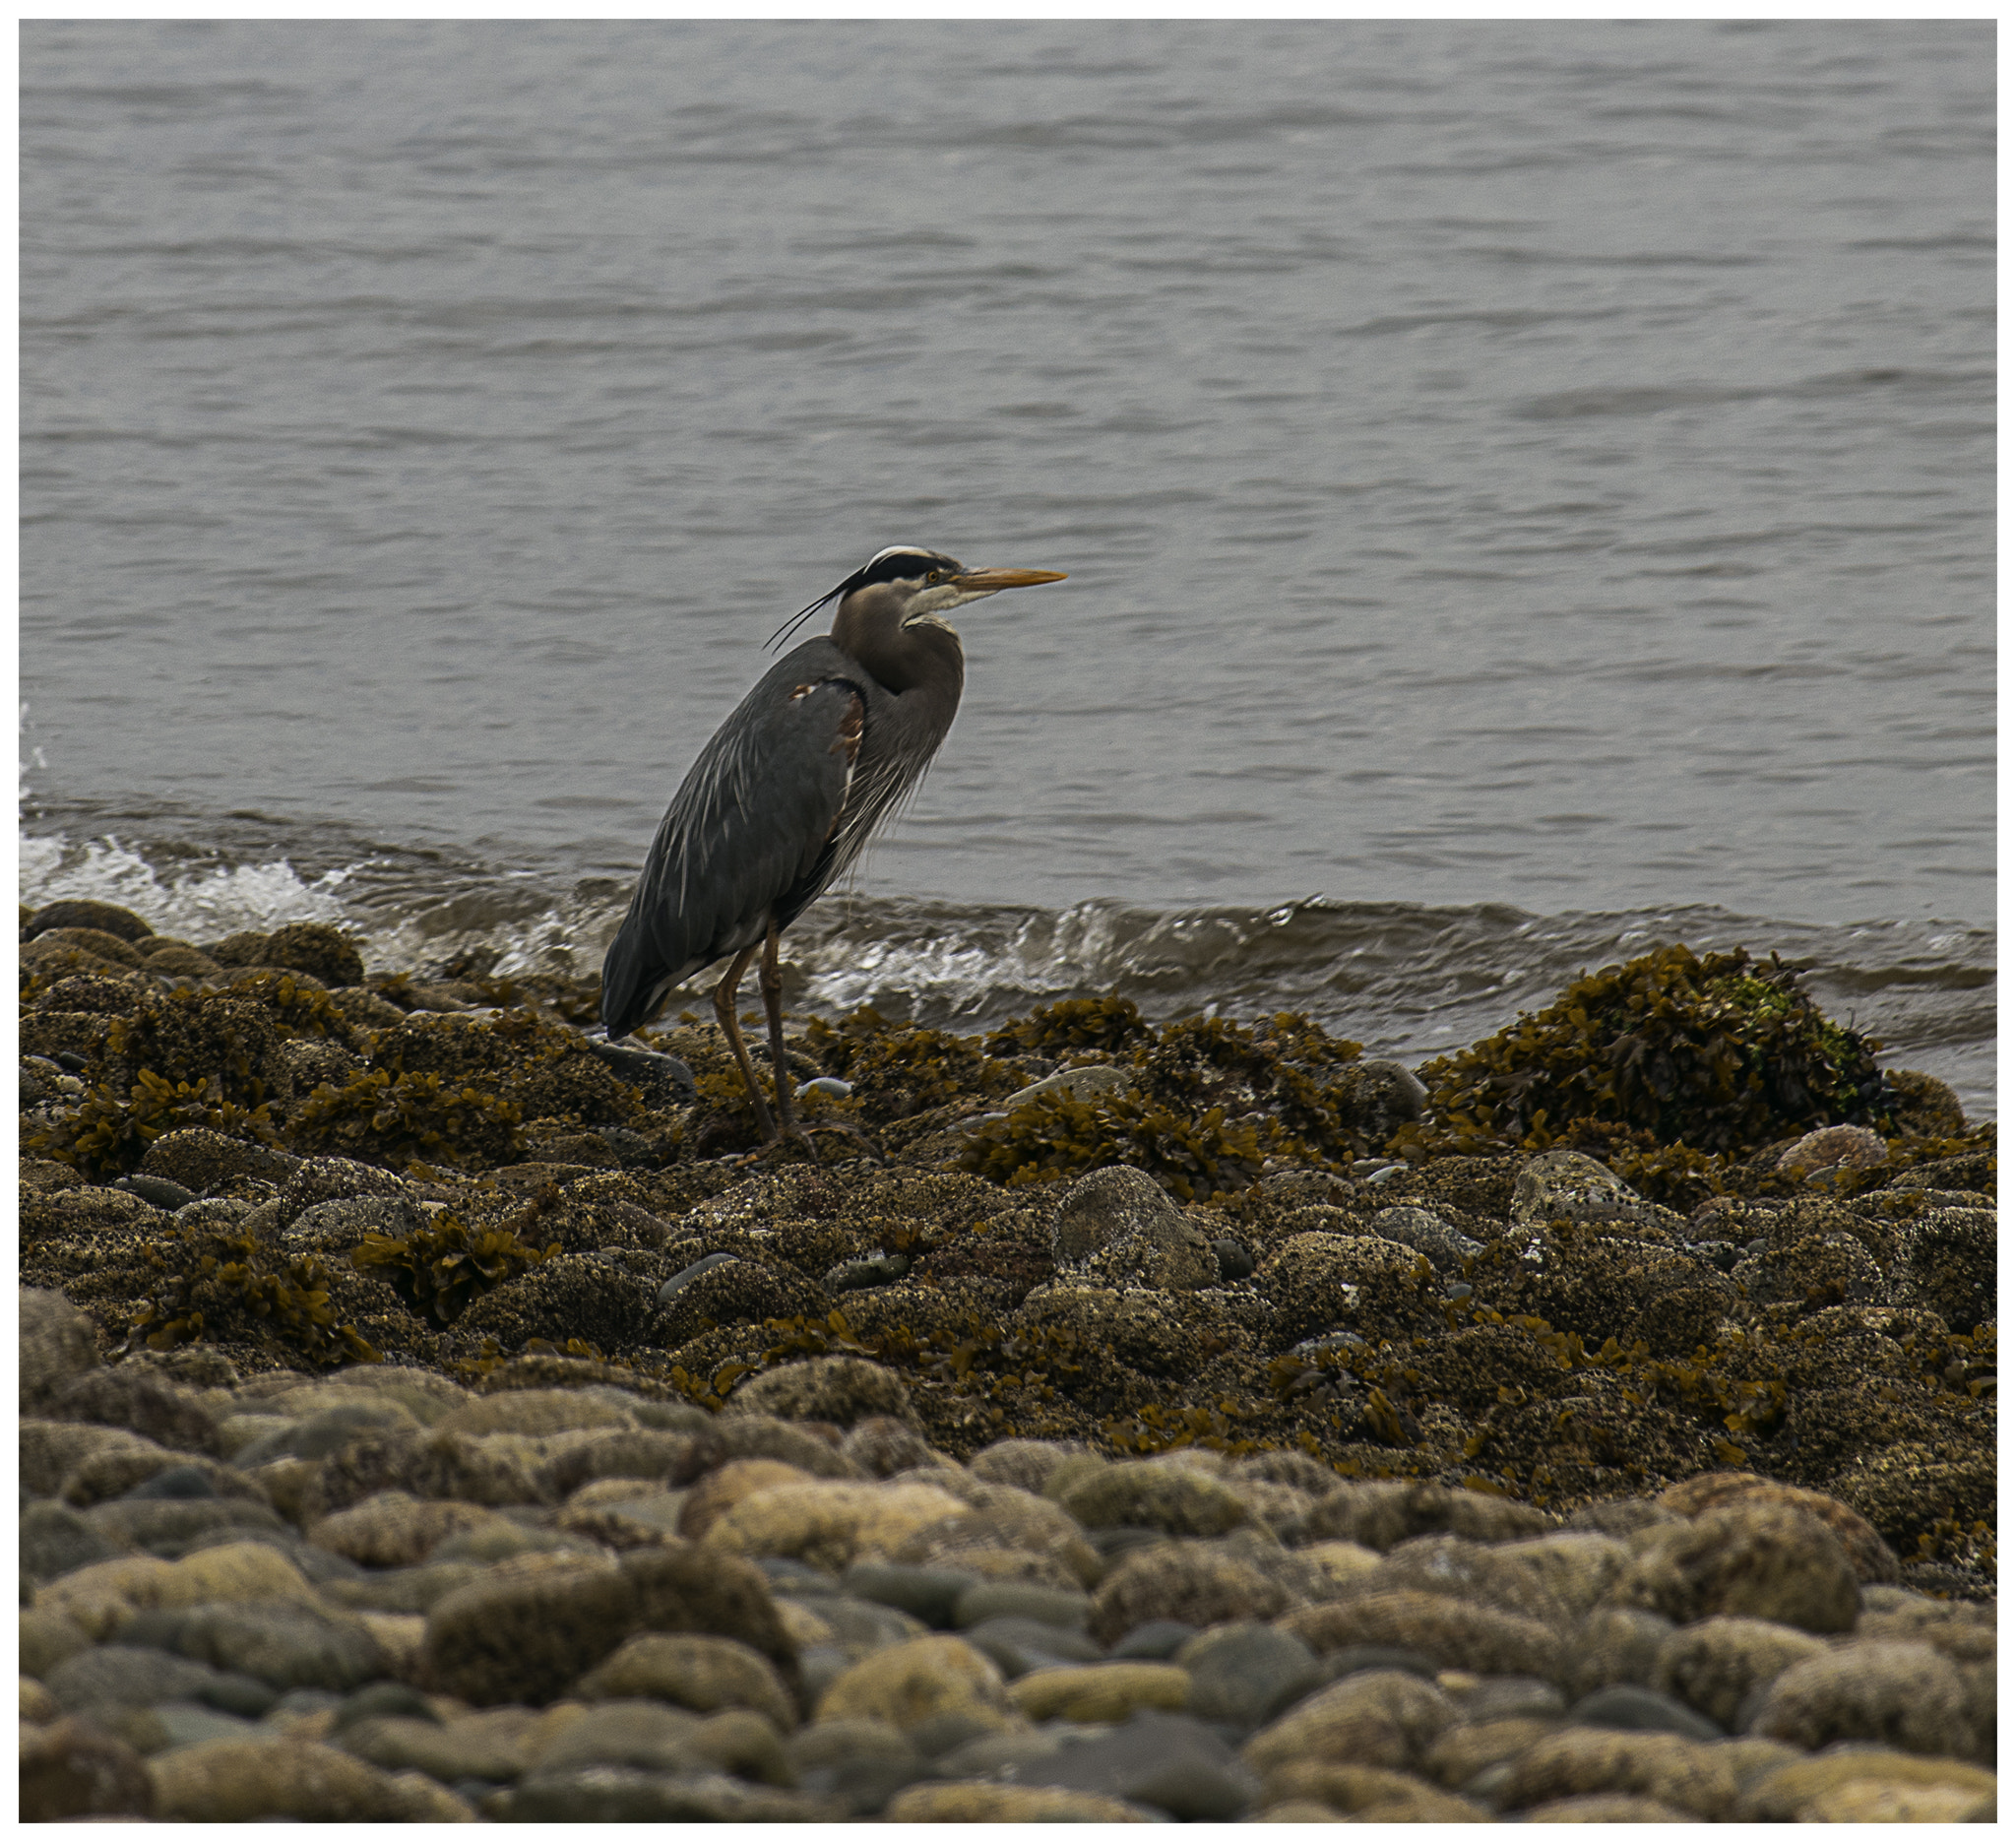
(922, 662)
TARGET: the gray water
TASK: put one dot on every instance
(1536, 470)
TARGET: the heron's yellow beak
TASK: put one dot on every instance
(987, 581)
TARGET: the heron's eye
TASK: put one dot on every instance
(936, 575)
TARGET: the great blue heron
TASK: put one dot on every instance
(791, 789)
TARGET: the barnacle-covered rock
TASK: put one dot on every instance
(1321, 1281)
(738, 1292)
(1118, 1227)
(565, 1299)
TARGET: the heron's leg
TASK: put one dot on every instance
(725, 1015)
(770, 977)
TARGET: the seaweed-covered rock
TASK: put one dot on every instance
(318, 948)
(1720, 1052)
(104, 917)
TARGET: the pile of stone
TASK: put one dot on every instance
(380, 1596)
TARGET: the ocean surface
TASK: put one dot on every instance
(1527, 491)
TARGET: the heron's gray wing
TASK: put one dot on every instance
(750, 824)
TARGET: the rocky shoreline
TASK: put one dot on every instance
(429, 1413)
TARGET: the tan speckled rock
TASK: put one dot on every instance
(1094, 1693)
(1781, 1796)
(912, 1682)
(829, 1524)
(1148, 1493)
(1184, 1581)
(1385, 1513)
(837, 1389)
(395, 1530)
(1366, 1794)
(720, 1490)
(1006, 1803)
(1693, 1775)
(1459, 1636)
(1878, 1801)
(1756, 1559)
(1555, 1577)
(693, 1672)
(1717, 1663)
(534, 1411)
(1902, 1695)
(243, 1780)
(1382, 1718)
(1869, 1553)
(100, 1598)
(1607, 1806)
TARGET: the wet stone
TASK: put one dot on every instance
(56, 1540)
(1167, 1762)
(1154, 1641)
(1020, 1598)
(1242, 1676)
(930, 1594)
(686, 1275)
(1641, 1710)
(1020, 1646)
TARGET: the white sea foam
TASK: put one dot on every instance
(209, 902)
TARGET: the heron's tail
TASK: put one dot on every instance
(630, 976)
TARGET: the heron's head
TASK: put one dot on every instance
(911, 587)
(890, 604)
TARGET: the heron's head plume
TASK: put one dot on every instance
(906, 586)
